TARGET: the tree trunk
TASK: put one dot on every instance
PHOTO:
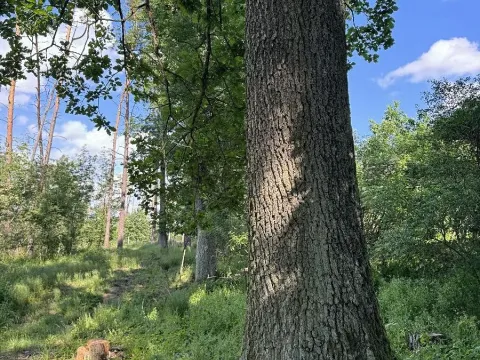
(162, 224)
(51, 130)
(11, 106)
(153, 236)
(205, 260)
(110, 179)
(38, 107)
(123, 196)
(310, 291)
(44, 118)
(56, 107)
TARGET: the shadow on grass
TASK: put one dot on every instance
(58, 303)
(39, 300)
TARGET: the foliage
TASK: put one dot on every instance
(193, 83)
(454, 109)
(137, 228)
(432, 306)
(93, 230)
(376, 33)
(230, 233)
(420, 198)
(86, 77)
(420, 182)
(43, 208)
(63, 205)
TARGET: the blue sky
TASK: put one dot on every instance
(419, 25)
(433, 39)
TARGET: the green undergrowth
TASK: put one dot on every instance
(137, 299)
(153, 312)
(448, 306)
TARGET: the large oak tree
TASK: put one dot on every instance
(310, 291)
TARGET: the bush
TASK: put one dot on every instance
(426, 306)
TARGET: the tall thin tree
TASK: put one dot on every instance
(111, 173)
(154, 204)
(38, 102)
(56, 107)
(123, 195)
(10, 113)
(46, 111)
(162, 212)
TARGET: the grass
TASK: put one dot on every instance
(51, 308)
(137, 299)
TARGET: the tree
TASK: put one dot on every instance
(162, 211)
(111, 174)
(394, 193)
(123, 196)
(420, 194)
(56, 107)
(454, 111)
(11, 105)
(193, 82)
(48, 218)
(310, 291)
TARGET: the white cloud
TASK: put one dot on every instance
(22, 119)
(74, 135)
(20, 99)
(454, 57)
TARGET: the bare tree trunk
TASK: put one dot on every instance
(183, 260)
(51, 130)
(11, 106)
(123, 196)
(44, 118)
(38, 103)
(110, 179)
(205, 260)
(162, 223)
(186, 243)
(53, 121)
(153, 237)
(310, 294)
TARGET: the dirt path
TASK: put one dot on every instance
(121, 283)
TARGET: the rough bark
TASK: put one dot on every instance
(310, 291)
(205, 260)
(162, 224)
(123, 196)
(110, 179)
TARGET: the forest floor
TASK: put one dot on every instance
(134, 298)
(137, 299)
